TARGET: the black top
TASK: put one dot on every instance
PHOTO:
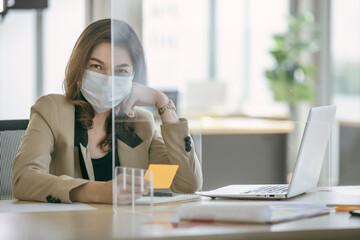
(103, 167)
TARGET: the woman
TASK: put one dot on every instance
(65, 155)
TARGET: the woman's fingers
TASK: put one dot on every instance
(129, 186)
(140, 96)
(127, 198)
(125, 105)
(129, 189)
(127, 178)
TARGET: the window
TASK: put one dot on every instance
(63, 21)
(345, 52)
(245, 30)
(17, 67)
(175, 41)
(209, 41)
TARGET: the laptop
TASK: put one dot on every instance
(307, 167)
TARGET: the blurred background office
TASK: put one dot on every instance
(223, 59)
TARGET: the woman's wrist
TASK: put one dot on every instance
(161, 100)
(100, 192)
(169, 115)
(91, 192)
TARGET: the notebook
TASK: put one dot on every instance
(307, 167)
(249, 212)
(173, 199)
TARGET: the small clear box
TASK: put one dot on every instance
(129, 185)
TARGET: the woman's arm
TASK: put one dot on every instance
(92, 192)
(101, 192)
(171, 147)
(31, 175)
(145, 96)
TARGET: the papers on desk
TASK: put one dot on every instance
(20, 206)
(249, 212)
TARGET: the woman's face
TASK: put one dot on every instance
(100, 60)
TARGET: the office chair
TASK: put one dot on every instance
(11, 132)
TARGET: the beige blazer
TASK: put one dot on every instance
(47, 163)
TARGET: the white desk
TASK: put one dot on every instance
(104, 224)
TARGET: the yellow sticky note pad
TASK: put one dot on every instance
(163, 174)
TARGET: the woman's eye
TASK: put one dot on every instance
(96, 66)
(122, 72)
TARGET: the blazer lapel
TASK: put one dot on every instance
(129, 138)
(87, 160)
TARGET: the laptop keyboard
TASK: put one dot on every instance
(270, 189)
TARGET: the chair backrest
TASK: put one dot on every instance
(11, 132)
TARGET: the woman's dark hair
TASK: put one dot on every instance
(106, 30)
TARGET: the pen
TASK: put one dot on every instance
(346, 208)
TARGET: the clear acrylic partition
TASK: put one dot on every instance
(128, 68)
(129, 72)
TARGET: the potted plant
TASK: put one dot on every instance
(292, 79)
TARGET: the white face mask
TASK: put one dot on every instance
(97, 89)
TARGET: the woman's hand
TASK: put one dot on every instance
(101, 192)
(125, 188)
(145, 96)
(142, 96)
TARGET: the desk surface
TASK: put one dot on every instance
(226, 125)
(104, 224)
(242, 126)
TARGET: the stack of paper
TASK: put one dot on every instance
(250, 212)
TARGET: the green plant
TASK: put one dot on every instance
(293, 77)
